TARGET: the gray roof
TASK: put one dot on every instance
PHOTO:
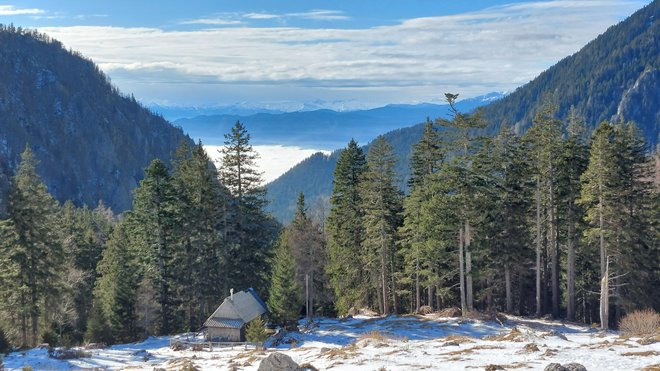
(223, 322)
(242, 308)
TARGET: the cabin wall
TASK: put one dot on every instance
(225, 334)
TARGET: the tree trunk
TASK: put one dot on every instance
(538, 247)
(507, 284)
(468, 267)
(604, 298)
(429, 292)
(570, 279)
(554, 252)
(417, 288)
(461, 271)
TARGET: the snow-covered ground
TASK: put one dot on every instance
(391, 343)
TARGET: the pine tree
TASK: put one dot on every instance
(38, 251)
(250, 231)
(285, 295)
(345, 230)
(381, 202)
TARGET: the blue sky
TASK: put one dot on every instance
(348, 54)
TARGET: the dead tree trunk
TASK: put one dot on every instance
(605, 298)
(461, 271)
(570, 269)
(554, 252)
(538, 247)
(468, 267)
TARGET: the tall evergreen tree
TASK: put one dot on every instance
(463, 142)
(572, 163)
(381, 201)
(285, 295)
(545, 142)
(426, 160)
(155, 214)
(113, 316)
(309, 251)
(345, 229)
(38, 251)
(250, 232)
(200, 205)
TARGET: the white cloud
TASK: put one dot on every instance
(261, 16)
(12, 10)
(274, 160)
(496, 49)
(212, 21)
(321, 15)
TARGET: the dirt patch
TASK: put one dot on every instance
(530, 348)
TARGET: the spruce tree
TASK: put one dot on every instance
(38, 250)
(309, 252)
(544, 139)
(200, 204)
(345, 230)
(285, 295)
(250, 231)
(155, 215)
(426, 160)
(256, 331)
(113, 317)
(381, 202)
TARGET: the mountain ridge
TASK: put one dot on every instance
(92, 142)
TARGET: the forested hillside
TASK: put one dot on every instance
(92, 143)
(614, 76)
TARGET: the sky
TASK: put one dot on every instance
(342, 54)
(348, 54)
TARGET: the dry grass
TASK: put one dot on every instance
(640, 323)
(374, 335)
(647, 353)
(655, 367)
(514, 335)
(344, 352)
(471, 350)
(452, 312)
(459, 339)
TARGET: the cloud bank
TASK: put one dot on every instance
(496, 49)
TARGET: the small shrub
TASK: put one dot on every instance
(26, 368)
(50, 338)
(425, 309)
(640, 323)
(256, 331)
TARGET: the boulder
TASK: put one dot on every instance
(279, 362)
(554, 367)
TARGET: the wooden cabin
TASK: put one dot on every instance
(228, 322)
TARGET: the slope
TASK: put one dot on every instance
(92, 142)
(615, 75)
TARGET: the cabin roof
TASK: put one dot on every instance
(235, 311)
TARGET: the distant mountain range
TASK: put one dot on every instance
(617, 75)
(91, 141)
(320, 129)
